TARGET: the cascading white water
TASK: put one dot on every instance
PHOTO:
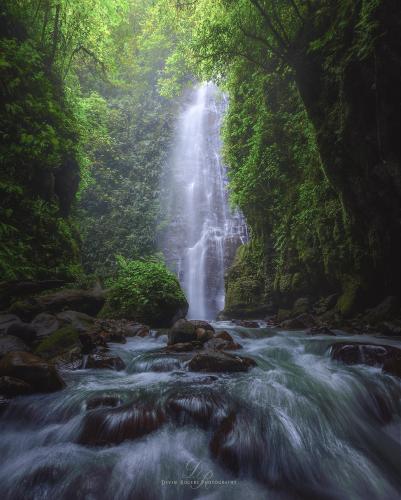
(203, 232)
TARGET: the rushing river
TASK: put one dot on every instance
(305, 427)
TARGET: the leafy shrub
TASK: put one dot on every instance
(145, 291)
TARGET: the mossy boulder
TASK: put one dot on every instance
(58, 342)
(146, 292)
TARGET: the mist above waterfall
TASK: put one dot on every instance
(203, 232)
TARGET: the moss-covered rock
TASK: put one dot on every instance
(58, 342)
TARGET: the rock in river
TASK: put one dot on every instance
(183, 331)
(106, 426)
(219, 362)
(33, 370)
(352, 353)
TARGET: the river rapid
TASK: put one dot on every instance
(300, 425)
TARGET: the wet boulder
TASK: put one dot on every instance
(110, 426)
(183, 331)
(205, 409)
(240, 443)
(224, 336)
(219, 362)
(33, 370)
(352, 353)
(9, 343)
(246, 323)
(11, 386)
(105, 360)
(218, 344)
(200, 323)
(104, 401)
(6, 320)
(23, 331)
(183, 347)
(203, 335)
(136, 330)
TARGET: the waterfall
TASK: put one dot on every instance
(203, 232)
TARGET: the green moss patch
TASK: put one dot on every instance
(61, 340)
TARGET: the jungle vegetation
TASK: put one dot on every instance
(311, 138)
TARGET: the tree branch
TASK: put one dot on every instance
(269, 24)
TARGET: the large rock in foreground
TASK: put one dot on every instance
(107, 426)
(35, 371)
(220, 362)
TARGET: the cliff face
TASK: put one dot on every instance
(350, 86)
(333, 227)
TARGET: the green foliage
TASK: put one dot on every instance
(145, 291)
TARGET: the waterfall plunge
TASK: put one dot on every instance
(203, 233)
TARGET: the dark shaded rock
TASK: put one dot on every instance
(6, 320)
(204, 409)
(301, 322)
(10, 387)
(45, 324)
(107, 401)
(245, 323)
(183, 347)
(352, 353)
(393, 365)
(136, 329)
(183, 331)
(79, 320)
(89, 302)
(105, 426)
(218, 344)
(321, 330)
(387, 309)
(9, 343)
(105, 361)
(42, 376)
(88, 342)
(219, 362)
(240, 443)
(221, 448)
(203, 335)
(200, 323)
(24, 331)
(224, 336)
